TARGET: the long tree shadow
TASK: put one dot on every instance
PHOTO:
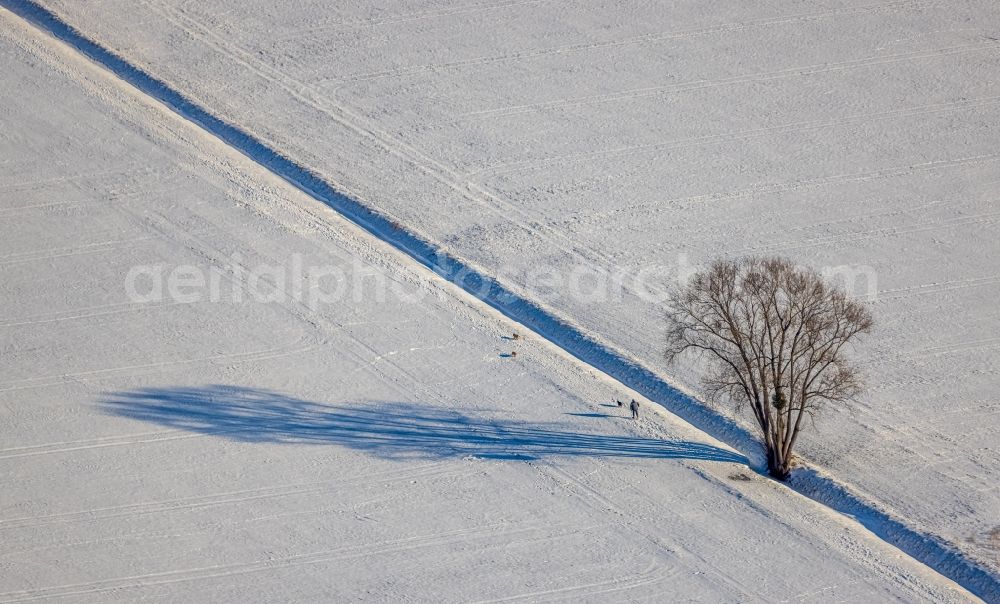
(391, 430)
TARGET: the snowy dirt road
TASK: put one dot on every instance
(376, 446)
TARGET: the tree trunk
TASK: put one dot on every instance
(778, 466)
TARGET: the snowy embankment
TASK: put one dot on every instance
(380, 445)
(597, 339)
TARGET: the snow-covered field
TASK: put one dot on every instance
(386, 448)
(643, 139)
(224, 451)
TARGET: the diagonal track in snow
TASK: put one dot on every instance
(933, 552)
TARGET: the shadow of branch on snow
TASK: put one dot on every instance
(390, 430)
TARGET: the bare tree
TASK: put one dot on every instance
(776, 336)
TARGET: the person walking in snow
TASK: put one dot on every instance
(634, 406)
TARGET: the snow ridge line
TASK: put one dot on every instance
(930, 550)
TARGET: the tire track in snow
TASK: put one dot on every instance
(40, 206)
(31, 185)
(653, 574)
(780, 74)
(405, 18)
(474, 534)
(888, 231)
(935, 288)
(725, 28)
(69, 446)
(960, 346)
(86, 441)
(164, 506)
(64, 378)
(775, 187)
(67, 252)
(728, 137)
(78, 315)
(808, 481)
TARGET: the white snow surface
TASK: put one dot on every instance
(385, 450)
(382, 450)
(619, 136)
